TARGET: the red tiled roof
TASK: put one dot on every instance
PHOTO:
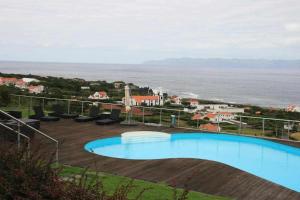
(209, 127)
(197, 117)
(103, 93)
(210, 115)
(11, 80)
(193, 100)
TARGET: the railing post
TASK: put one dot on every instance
(240, 130)
(43, 103)
(288, 128)
(263, 127)
(160, 116)
(19, 102)
(178, 123)
(30, 106)
(19, 139)
(143, 115)
(69, 106)
(218, 120)
(57, 152)
(82, 108)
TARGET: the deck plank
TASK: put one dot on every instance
(195, 174)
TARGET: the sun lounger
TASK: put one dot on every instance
(40, 115)
(59, 112)
(114, 117)
(93, 115)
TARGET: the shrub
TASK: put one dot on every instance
(4, 96)
(30, 176)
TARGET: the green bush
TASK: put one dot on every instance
(30, 176)
(4, 96)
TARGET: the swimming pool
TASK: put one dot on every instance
(272, 161)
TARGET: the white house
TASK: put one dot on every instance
(156, 100)
(23, 83)
(175, 99)
(29, 80)
(101, 95)
(85, 87)
(228, 110)
(219, 108)
(219, 117)
(215, 107)
(35, 89)
(194, 102)
(293, 108)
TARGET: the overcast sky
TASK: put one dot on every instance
(127, 31)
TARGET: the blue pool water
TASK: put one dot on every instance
(275, 162)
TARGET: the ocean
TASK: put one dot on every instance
(262, 86)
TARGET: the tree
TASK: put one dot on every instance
(4, 96)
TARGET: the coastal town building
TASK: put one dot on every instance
(175, 100)
(35, 89)
(8, 81)
(214, 108)
(157, 99)
(293, 108)
(193, 102)
(146, 100)
(30, 80)
(21, 84)
(24, 84)
(219, 117)
(229, 110)
(85, 88)
(101, 95)
(220, 108)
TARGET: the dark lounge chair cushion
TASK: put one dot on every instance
(84, 119)
(69, 116)
(39, 114)
(93, 115)
(105, 121)
(59, 112)
(49, 119)
(114, 117)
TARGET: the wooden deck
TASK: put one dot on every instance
(199, 175)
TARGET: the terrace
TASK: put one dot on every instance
(199, 175)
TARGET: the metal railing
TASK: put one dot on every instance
(18, 132)
(162, 117)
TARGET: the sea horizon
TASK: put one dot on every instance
(261, 86)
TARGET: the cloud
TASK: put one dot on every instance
(139, 27)
(292, 27)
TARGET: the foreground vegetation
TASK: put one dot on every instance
(31, 176)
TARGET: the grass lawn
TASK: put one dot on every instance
(25, 110)
(156, 191)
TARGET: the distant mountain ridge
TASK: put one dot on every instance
(221, 62)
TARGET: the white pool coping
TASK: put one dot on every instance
(144, 136)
